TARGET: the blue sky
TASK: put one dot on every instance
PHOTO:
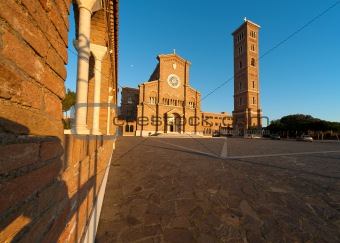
(302, 75)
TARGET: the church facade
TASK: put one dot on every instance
(167, 104)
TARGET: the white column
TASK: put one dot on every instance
(98, 53)
(109, 115)
(109, 99)
(83, 64)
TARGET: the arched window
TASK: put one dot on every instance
(131, 128)
(152, 100)
(126, 128)
(253, 63)
(240, 64)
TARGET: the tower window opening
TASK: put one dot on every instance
(253, 34)
(129, 100)
(253, 63)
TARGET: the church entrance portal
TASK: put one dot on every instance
(174, 123)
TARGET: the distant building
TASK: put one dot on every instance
(128, 110)
(247, 112)
(213, 122)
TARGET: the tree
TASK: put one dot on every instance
(69, 101)
(276, 126)
(299, 123)
(335, 129)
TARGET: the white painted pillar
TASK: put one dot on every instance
(109, 99)
(109, 114)
(85, 13)
(98, 53)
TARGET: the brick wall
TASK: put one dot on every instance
(48, 181)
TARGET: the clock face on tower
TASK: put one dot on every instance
(173, 81)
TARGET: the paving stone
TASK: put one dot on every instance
(206, 238)
(172, 235)
(154, 209)
(223, 193)
(180, 222)
(169, 207)
(213, 220)
(154, 197)
(233, 201)
(202, 227)
(185, 195)
(165, 220)
(231, 217)
(138, 210)
(247, 209)
(185, 206)
(196, 213)
(139, 232)
(131, 220)
(151, 219)
(150, 240)
(234, 233)
(253, 236)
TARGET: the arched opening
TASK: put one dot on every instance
(174, 123)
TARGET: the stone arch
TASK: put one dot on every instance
(174, 122)
(151, 97)
(191, 102)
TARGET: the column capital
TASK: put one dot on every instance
(87, 4)
(98, 51)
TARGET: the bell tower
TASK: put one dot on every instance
(247, 112)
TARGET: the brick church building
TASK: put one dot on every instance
(166, 103)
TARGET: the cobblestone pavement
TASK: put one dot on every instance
(178, 190)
